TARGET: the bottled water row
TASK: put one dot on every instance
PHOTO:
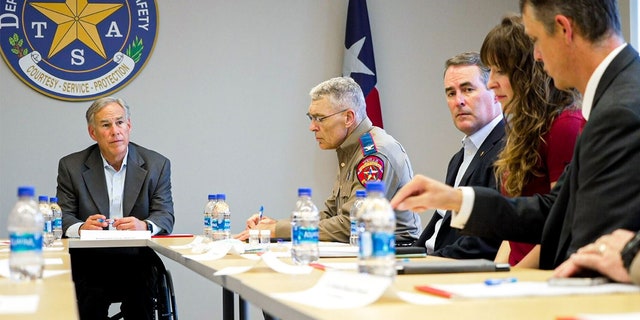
(217, 217)
(31, 226)
(52, 215)
(373, 224)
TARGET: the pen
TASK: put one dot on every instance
(435, 291)
(261, 213)
(318, 266)
(497, 281)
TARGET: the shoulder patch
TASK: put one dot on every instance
(371, 168)
(367, 144)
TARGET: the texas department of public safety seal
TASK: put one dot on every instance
(77, 50)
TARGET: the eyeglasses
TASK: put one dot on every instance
(318, 119)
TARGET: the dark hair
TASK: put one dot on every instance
(469, 59)
(536, 102)
(594, 19)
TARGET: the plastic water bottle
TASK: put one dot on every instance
(57, 218)
(47, 215)
(221, 219)
(25, 234)
(353, 216)
(376, 231)
(208, 213)
(304, 229)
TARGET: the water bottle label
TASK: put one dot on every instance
(366, 246)
(214, 225)
(207, 223)
(22, 242)
(377, 244)
(47, 226)
(227, 225)
(304, 235)
(57, 223)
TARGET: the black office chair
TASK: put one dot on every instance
(164, 299)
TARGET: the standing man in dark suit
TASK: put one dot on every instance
(581, 45)
(477, 113)
(119, 185)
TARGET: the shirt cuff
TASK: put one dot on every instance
(154, 229)
(74, 230)
(459, 219)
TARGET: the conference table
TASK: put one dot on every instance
(56, 295)
(258, 285)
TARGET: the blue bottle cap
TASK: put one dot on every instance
(43, 198)
(26, 191)
(361, 193)
(222, 196)
(213, 197)
(373, 186)
(53, 199)
(304, 192)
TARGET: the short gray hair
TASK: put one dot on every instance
(343, 93)
(97, 105)
(471, 58)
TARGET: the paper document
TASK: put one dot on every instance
(115, 234)
(340, 290)
(18, 304)
(4, 268)
(520, 289)
(271, 260)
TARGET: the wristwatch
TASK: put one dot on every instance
(149, 226)
(630, 250)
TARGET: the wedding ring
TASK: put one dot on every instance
(602, 248)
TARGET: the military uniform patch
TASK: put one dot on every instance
(371, 168)
(77, 50)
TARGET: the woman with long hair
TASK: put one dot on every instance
(542, 124)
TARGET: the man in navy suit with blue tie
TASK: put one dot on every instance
(477, 114)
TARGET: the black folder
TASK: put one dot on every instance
(449, 266)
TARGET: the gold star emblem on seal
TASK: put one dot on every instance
(76, 19)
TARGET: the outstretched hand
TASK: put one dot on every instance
(422, 193)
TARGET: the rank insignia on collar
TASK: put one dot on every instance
(371, 168)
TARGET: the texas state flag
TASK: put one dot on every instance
(358, 57)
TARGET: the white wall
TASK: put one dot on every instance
(224, 97)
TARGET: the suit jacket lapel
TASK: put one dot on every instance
(454, 166)
(134, 179)
(94, 179)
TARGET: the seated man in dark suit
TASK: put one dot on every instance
(476, 113)
(117, 185)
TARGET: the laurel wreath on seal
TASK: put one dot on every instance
(16, 44)
(134, 50)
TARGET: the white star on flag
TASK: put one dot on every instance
(351, 62)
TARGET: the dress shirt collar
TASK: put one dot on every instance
(479, 136)
(106, 164)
